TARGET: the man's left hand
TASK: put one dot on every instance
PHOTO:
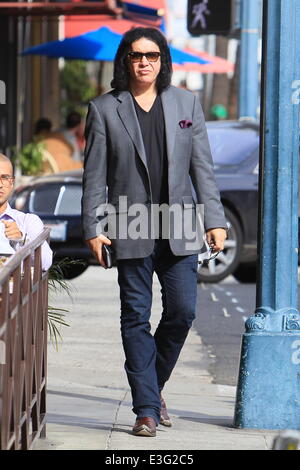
(215, 238)
(12, 231)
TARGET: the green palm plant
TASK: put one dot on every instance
(57, 284)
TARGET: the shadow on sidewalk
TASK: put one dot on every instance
(114, 401)
(222, 421)
(77, 421)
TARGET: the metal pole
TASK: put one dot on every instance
(268, 393)
(249, 73)
(20, 99)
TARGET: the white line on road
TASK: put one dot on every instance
(240, 309)
(225, 312)
(214, 297)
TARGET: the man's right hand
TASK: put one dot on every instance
(95, 245)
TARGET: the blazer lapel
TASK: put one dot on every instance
(128, 116)
(170, 112)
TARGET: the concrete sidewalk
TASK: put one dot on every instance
(89, 402)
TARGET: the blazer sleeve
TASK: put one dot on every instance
(94, 175)
(202, 174)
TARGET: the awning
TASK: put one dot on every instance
(39, 8)
(152, 12)
(76, 25)
(144, 7)
(151, 4)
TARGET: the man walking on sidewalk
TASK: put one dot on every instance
(146, 141)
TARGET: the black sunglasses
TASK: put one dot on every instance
(138, 56)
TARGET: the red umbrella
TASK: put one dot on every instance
(216, 65)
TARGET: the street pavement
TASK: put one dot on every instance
(220, 321)
(89, 401)
(222, 311)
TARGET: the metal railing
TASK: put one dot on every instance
(23, 347)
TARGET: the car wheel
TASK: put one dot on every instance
(227, 261)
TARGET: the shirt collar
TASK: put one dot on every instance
(8, 212)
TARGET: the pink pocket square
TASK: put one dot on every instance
(185, 123)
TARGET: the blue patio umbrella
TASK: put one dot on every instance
(101, 44)
(95, 45)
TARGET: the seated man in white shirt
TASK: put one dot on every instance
(19, 227)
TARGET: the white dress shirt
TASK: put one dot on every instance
(31, 226)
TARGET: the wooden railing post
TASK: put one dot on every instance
(23, 347)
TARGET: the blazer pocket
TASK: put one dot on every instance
(186, 131)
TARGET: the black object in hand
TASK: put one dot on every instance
(107, 255)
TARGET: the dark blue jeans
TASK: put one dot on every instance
(151, 359)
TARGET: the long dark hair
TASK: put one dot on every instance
(121, 77)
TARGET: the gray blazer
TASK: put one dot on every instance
(115, 165)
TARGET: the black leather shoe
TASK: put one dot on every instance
(164, 417)
(144, 427)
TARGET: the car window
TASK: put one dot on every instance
(69, 201)
(232, 146)
(43, 199)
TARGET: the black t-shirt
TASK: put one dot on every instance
(152, 126)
